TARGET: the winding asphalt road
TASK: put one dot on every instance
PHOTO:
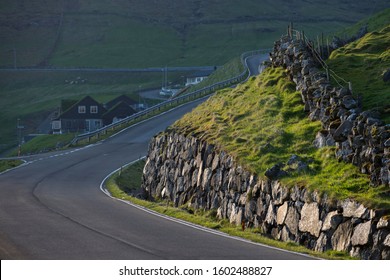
(53, 208)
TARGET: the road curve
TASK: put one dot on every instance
(52, 208)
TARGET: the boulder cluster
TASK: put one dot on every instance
(360, 136)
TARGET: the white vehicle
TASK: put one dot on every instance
(166, 92)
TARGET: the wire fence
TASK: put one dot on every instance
(317, 53)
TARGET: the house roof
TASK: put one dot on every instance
(121, 98)
(120, 110)
(72, 112)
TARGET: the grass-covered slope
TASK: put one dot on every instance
(134, 33)
(371, 22)
(262, 123)
(364, 62)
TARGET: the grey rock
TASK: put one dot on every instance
(384, 222)
(342, 131)
(341, 239)
(323, 243)
(271, 216)
(279, 193)
(292, 221)
(285, 235)
(206, 179)
(349, 102)
(281, 214)
(361, 234)
(323, 139)
(275, 172)
(354, 209)
(250, 208)
(332, 220)
(179, 185)
(309, 221)
(215, 202)
(240, 216)
(233, 213)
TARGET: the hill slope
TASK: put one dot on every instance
(364, 63)
(130, 33)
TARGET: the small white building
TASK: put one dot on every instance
(197, 77)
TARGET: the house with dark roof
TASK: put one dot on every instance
(117, 112)
(89, 115)
(121, 98)
(83, 116)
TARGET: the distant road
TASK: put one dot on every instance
(253, 63)
(86, 69)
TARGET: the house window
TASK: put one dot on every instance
(94, 109)
(82, 110)
(56, 125)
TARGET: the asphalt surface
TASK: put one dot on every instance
(53, 208)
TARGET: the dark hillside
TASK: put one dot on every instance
(130, 33)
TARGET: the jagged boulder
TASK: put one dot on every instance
(361, 234)
(310, 221)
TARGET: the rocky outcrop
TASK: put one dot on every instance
(191, 172)
(360, 137)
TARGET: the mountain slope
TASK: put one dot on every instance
(130, 33)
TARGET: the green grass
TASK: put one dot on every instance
(204, 218)
(129, 180)
(373, 23)
(262, 123)
(229, 70)
(8, 164)
(44, 143)
(126, 33)
(364, 62)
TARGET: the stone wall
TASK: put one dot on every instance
(191, 172)
(360, 137)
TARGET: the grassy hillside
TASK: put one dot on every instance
(262, 123)
(364, 62)
(372, 22)
(131, 33)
